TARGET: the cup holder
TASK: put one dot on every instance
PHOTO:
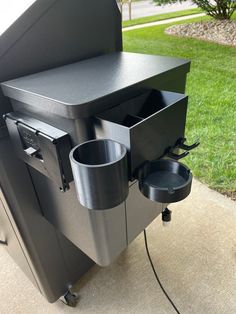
(165, 181)
(101, 173)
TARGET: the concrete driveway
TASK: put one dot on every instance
(148, 7)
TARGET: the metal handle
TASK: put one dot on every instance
(176, 156)
(3, 242)
(187, 147)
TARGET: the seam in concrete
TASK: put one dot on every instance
(167, 21)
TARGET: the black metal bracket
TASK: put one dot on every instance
(180, 144)
(41, 146)
(177, 156)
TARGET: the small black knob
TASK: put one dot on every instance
(166, 216)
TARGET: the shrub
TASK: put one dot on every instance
(218, 9)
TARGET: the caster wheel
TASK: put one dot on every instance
(71, 299)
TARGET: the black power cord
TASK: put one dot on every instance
(155, 273)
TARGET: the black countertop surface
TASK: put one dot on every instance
(82, 88)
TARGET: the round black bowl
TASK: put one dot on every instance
(165, 181)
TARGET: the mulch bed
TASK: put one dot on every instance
(221, 32)
(231, 195)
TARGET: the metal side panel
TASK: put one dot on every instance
(140, 212)
(76, 262)
(3, 131)
(38, 239)
(12, 245)
(101, 234)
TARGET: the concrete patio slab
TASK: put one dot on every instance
(195, 258)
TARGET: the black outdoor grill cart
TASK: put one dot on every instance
(93, 135)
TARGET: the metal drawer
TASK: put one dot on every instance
(147, 125)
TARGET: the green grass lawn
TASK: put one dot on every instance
(212, 100)
(160, 17)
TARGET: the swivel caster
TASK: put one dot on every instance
(71, 299)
